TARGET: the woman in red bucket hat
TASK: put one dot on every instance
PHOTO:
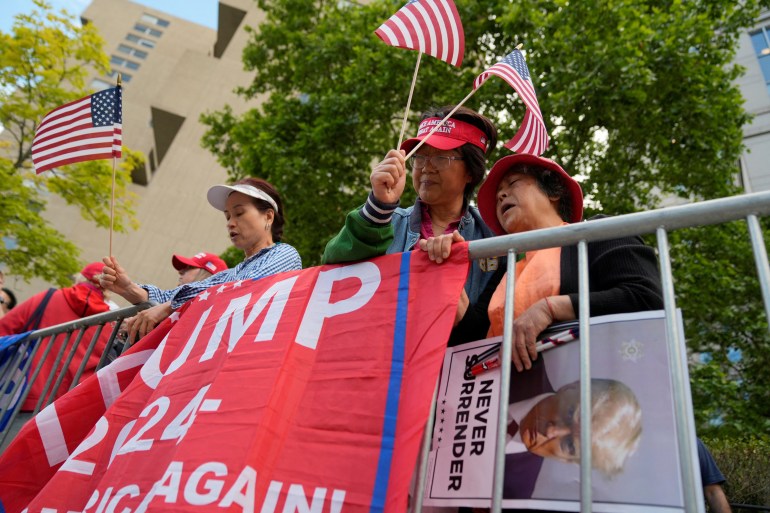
(526, 192)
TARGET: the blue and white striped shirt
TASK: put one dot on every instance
(273, 260)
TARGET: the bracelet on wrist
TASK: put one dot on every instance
(550, 309)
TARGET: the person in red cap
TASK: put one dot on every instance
(54, 307)
(526, 192)
(198, 267)
(445, 172)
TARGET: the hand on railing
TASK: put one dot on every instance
(440, 247)
(142, 323)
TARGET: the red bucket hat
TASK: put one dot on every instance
(452, 134)
(487, 197)
(207, 261)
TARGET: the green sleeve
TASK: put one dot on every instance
(359, 239)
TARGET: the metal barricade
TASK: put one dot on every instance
(12, 372)
(660, 222)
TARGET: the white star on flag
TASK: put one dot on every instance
(204, 295)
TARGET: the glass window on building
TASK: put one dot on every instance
(120, 61)
(147, 43)
(144, 29)
(761, 41)
(149, 18)
(132, 51)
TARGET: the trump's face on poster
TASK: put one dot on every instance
(551, 428)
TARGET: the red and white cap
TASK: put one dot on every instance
(207, 261)
(452, 134)
(92, 270)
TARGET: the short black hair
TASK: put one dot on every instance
(11, 297)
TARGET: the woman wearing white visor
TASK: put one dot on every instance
(254, 213)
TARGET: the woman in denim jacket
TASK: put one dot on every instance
(445, 173)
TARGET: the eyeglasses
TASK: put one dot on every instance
(438, 162)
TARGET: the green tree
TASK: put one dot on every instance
(44, 62)
(639, 98)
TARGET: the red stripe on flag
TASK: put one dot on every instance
(532, 135)
(456, 43)
(47, 131)
(429, 26)
(83, 134)
(75, 160)
(106, 143)
(67, 134)
(65, 110)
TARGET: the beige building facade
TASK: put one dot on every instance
(173, 70)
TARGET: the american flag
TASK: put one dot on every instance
(532, 136)
(87, 129)
(430, 26)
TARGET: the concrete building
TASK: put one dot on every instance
(173, 70)
(754, 55)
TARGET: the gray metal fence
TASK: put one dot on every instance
(71, 336)
(659, 222)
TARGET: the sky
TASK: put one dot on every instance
(203, 12)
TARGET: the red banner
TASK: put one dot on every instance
(306, 391)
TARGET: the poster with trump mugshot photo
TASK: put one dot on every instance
(635, 458)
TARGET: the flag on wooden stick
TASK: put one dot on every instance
(86, 129)
(429, 26)
(532, 136)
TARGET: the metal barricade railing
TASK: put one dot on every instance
(13, 372)
(660, 222)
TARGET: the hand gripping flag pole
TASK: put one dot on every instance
(428, 26)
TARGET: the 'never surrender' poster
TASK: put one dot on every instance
(304, 391)
(634, 442)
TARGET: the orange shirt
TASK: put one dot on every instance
(538, 275)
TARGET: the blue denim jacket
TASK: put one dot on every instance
(406, 224)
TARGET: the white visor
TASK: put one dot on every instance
(218, 194)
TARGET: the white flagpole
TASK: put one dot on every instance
(409, 101)
(112, 203)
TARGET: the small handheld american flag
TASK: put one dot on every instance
(532, 136)
(430, 26)
(90, 128)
